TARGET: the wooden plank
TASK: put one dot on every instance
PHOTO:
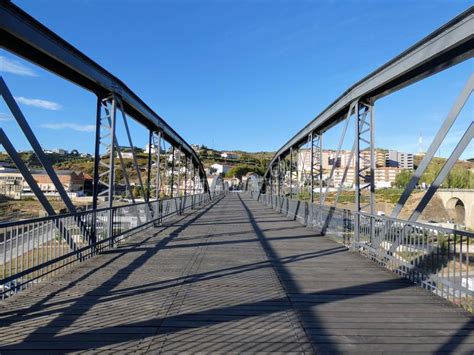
(233, 277)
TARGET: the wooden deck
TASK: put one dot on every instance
(232, 277)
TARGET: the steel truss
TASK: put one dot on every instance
(316, 170)
(434, 146)
(24, 171)
(364, 164)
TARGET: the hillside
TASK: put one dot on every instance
(253, 161)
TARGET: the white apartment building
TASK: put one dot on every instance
(384, 177)
(399, 160)
(344, 159)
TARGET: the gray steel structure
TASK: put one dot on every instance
(23, 35)
(447, 46)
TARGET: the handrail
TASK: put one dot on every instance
(415, 224)
(80, 213)
(436, 258)
(32, 250)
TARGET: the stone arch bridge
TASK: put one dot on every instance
(459, 204)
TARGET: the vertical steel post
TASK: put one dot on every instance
(172, 172)
(320, 152)
(111, 191)
(373, 159)
(311, 138)
(186, 166)
(150, 139)
(291, 173)
(193, 180)
(178, 187)
(95, 186)
(356, 174)
(364, 134)
(372, 173)
(158, 167)
(278, 186)
(96, 178)
(271, 181)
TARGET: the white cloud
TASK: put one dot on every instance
(47, 105)
(5, 117)
(73, 126)
(15, 67)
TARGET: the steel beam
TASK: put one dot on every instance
(291, 172)
(24, 36)
(186, 175)
(179, 166)
(338, 151)
(149, 162)
(279, 192)
(172, 172)
(130, 142)
(96, 178)
(447, 46)
(364, 173)
(30, 180)
(26, 129)
(108, 105)
(11, 151)
(158, 165)
(316, 164)
(453, 158)
(435, 144)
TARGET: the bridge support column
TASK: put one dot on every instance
(172, 172)
(149, 162)
(364, 165)
(279, 178)
(316, 171)
(156, 142)
(178, 178)
(96, 178)
(291, 173)
(110, 195)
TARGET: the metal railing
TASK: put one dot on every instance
(32, 250)
(436, 258)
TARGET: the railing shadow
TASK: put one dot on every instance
(158, 326)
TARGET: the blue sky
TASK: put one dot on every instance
(237, 74)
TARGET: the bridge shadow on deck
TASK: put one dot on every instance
(265, 286)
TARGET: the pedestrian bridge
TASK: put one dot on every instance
(188, 267)
(232, 276)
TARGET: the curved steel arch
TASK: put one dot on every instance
(24, 36)
(447, 46)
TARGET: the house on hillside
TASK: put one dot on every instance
(220, 168)
(229, 155)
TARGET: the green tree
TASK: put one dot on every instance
(136, 191)
(238, 171)
(459, 178)
(403, 178)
